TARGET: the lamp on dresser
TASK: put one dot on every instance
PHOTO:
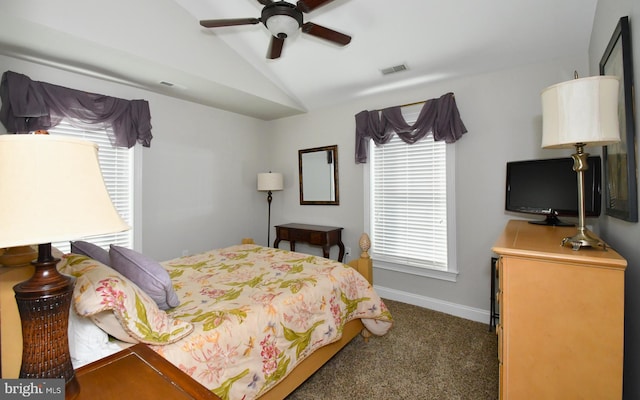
(51, 189)
(269, 182)
(579, 113)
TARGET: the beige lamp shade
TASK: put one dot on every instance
(270, 181)
(51, 189)
(581, 110)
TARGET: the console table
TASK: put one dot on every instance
(325, 236)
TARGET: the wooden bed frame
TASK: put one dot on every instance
(11, 350)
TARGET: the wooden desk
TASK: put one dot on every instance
(325, 236)
(137, 372)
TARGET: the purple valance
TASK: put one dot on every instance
(31, 105)
(440, 117)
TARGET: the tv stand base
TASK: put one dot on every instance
(552, 220)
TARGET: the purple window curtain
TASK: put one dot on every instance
(439, 117)
(31, 105)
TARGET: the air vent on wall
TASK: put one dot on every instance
(394, 69)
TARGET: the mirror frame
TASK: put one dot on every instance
(334, 149)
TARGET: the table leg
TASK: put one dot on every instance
(325, 251)
(341, 253)
(292, 245)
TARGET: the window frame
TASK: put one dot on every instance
(382, 262)
(134, 185)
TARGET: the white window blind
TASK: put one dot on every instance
(117, 170)
(408, 205)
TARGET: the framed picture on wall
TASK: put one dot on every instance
(619, 159)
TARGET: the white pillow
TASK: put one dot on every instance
(87, 342)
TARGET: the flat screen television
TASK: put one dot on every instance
(549, 187)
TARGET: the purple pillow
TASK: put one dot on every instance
(92, 251)
(148, 274)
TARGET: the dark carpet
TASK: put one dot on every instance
(426, 355)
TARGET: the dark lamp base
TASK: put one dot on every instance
(43, 303)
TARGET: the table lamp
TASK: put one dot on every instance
(269, 182)
(579, 113)
(51, 189)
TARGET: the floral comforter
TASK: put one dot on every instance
(259, 311)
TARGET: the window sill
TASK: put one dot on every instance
(450, 276)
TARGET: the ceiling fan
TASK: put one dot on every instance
(283, 19)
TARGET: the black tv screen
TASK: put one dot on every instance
(550, 187)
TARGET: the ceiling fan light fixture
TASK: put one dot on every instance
(282, 26)
(282, 20)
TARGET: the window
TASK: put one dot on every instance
(117, 169)
(410, 205)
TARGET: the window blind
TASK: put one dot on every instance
(117, 170)
(409, 201)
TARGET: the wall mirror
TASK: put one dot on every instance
(318, 169)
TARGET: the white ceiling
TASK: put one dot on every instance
(144, 42)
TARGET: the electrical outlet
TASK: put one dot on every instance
(347, 251)
(185, 253)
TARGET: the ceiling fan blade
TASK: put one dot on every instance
(265, 2)
(326, 33)
(275, 48)
(310, 5)
(217, 23)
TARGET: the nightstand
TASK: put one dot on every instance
(137, 372)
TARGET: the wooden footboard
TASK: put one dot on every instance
(364, 264)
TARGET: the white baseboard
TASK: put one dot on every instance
(458, 310)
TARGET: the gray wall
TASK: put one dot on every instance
(199, 176)
(623, 236)
(502, 113)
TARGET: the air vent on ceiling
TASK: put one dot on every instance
(394, 69)
(172, 85)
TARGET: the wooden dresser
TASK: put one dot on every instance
(561, 330)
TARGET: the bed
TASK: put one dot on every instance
(246, 321)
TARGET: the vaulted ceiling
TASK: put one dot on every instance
(160, 46)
